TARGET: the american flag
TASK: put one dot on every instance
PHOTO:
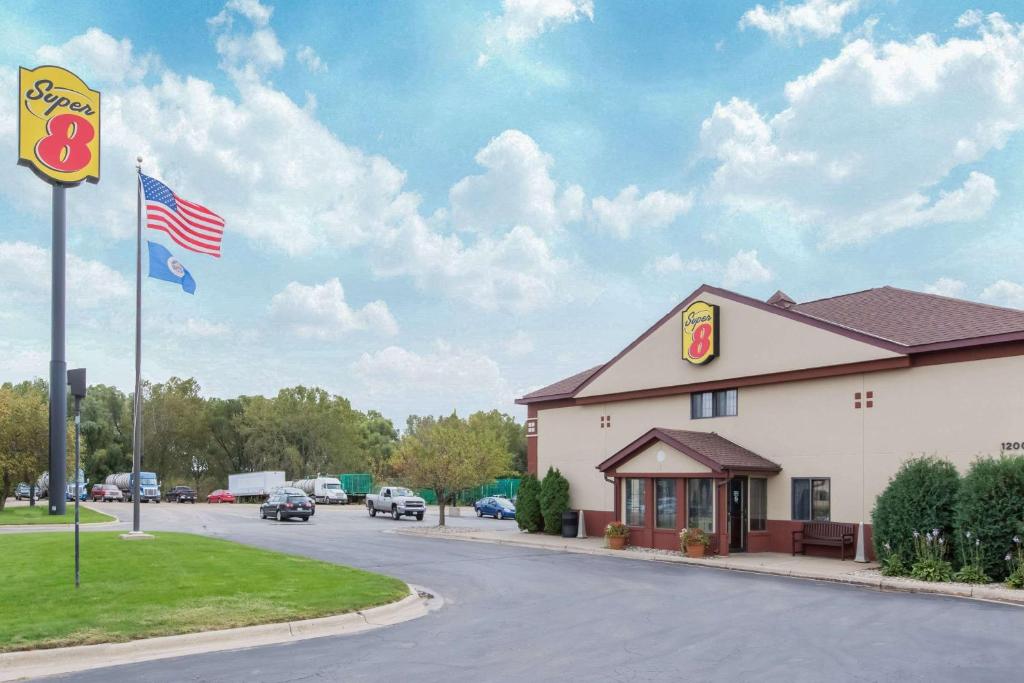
(192, 226)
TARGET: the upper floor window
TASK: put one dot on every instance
(720, 403)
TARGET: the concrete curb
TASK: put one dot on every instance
(986, 593)
(35, 663)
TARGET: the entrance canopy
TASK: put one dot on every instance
(687, 451)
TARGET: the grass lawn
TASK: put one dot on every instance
(39, 515)
(177, 583)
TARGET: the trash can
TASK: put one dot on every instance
(570, 524)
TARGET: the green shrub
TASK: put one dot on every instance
(930, 563)
(554, 500)
(528, 515)
(991, 506)
(892, 562)
(920, 497)
(1015, 564)
(971, 566)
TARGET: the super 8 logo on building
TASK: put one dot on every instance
(700, 332)
(58, 126)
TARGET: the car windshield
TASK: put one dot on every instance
(503, 501)
(147, 479)
(333, 487)
(401, 492)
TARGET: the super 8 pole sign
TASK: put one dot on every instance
(58, 126)
(700, 333)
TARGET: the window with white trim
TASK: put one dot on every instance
(812, 499)
(700, 504)
(635, 506)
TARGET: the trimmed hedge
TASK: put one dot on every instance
(528, 514)
(554, 500)
(991, 506)
(920, 497)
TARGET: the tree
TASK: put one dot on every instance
(449, 454)
(528, 514)
(513, 434)
(379, 438)
(176, 437)
(554, 500)
(24, 436)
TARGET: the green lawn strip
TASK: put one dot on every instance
(177, 583)
(40, 515)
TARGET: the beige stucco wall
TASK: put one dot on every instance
(956, 411)
(646, 461)
(752, 342)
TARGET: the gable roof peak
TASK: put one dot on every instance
(781, 299)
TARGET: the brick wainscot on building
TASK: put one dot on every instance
(746, 417)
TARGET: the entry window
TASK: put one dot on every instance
(812, 499)
(700, 504)
(665, 503)
(758, 504)
(635, 508)
(723, 403)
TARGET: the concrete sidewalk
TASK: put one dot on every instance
(775, 564)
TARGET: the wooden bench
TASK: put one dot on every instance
(831, 534)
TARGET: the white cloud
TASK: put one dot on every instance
(629, 211)
(96, 55)
(674, 263)
(519, 344)
(25, 272)
(817, 18)
(308, 57)
(253, 10)
(869, 139)
(516, 188)
(745, 268)
(198, 327)
(1004, 293)
(524, 20)
(947, 286)
(435, 382)
(321, 312)
(18, 363)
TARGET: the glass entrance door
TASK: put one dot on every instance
(737, 514)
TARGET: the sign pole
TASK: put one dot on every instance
(137, 422)
(78, 480)
(58, 358)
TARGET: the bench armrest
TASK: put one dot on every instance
(851, 537)
(797, 531)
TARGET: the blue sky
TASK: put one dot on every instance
(435, 206)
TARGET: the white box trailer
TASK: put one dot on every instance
(254, 484)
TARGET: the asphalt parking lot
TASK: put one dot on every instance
(521, 614)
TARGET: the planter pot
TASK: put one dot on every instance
(695, 550)
(616, 542)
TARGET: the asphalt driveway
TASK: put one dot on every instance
(519, 614)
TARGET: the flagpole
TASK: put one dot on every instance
(137, 417)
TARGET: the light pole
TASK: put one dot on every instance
(76, 378)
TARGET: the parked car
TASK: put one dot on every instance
(295, 491)
(498, 507)
(106, 493)
(282, 506)
(396, 501)
(22, 491)
(181, 494)
(221, 496)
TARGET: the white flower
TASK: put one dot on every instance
(1009, 557)
(967, 534)
(1016, 539)
(916, 534)
(935, 532)
(887, 546)
(942, 541)
(977, 541)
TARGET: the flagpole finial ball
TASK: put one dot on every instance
(138, 159)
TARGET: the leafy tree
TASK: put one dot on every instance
(379, 439)
(176, 437)
(528, 514)
(24, 436)
(554, 500)
(920, 497)
(513, 434)
(449, 454)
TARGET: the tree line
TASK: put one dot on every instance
(189, 439)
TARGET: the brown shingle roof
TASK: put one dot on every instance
(713, 450)
(563, 387)
(913, 318)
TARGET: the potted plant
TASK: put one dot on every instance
(616, 533)
(694, 541)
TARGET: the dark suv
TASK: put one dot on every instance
(181, 494)
(282, 506)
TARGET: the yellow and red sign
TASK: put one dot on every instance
(700, 332)
(58, 126)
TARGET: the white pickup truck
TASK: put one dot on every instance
(398, 501)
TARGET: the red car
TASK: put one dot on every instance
(106, 492)
(221, 496)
